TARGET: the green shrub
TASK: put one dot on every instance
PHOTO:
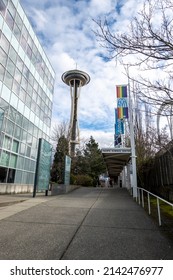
(73, 179)
(82, 180)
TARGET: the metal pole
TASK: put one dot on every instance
(139, 198)
(158, 210)
(36, 171)
(149, 206)
(142, 198)
(132, 138)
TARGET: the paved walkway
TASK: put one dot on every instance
(86, 224)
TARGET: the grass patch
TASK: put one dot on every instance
(166, 208)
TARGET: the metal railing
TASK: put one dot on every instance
(140, 199)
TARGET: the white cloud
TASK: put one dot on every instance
(67, 26)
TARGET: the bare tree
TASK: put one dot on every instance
(149, 38)
(60, 130)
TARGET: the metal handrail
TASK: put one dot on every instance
(149, 204)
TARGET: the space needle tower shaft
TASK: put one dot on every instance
(75, 79)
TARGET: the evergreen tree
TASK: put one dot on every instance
(93, 163)
(57, 171)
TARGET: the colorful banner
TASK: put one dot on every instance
(122, 112)
(122, 103)
(121, 91)
(119, 124)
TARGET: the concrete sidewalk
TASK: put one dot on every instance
(86, 224)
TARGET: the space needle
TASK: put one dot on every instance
(75, 79)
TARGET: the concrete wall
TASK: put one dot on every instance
(62, 189)
(15, 188)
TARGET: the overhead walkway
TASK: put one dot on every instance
(86, 224)
(116, 159)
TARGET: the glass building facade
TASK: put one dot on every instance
(26, 93)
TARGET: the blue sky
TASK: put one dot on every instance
(64, 28)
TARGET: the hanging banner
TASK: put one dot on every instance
(119, 124)
(122, 102)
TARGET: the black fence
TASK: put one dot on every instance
(158, 178)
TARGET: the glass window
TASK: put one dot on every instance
(19, 63)
(26, 164)
(33, 153)
(4, 105)
(29, 89)
(11, 8)
(10, 127)
(22, 149)
(39, 101)
(40, 133)
(33, 106)
(7, 143)
(9, 19)
(14, 100)
(31, 79)
(28, 151)
(1, 117)
(2, 73)
(13, 54)
(25, 32)
(11, 175)
(22, 94)
(29, 52)
(8, 80)
(23, 42)
(10, 67)
(30, 42)
(28, 100)
(5, 43)
(25, 71)
(19, 21)
(42, 114)
(24, 83)
(36, 133)
(24, 177)
(16, 32)
(24, 136)
(17, 132)
(30, 127)
(29, 139)
(20, 161)
(34, 96)
(12, 113)
(16, 87)
(34, 59)
(13, 160)
(18, 176)
(18, 75)
(15, 146)
(37, 110)
(3, 57)
(25, 123)
(3, 174)
(30, 178)
(36, 85)
(19, 118)
(5, 156)
(2, 7)
(1, 141)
